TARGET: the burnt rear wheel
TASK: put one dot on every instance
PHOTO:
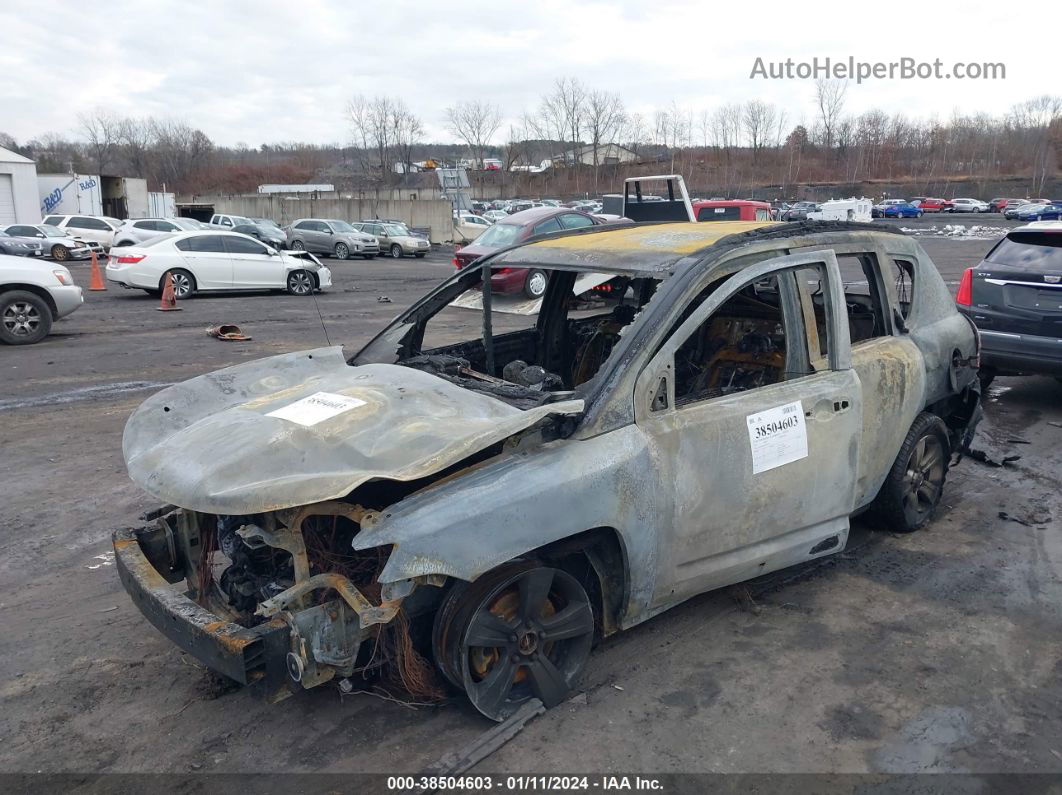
(913, 487)
(519, 631)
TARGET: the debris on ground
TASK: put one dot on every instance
(457, 762)
(982, 456)
(382, 299)
(227, 331)
(743, 596)
(1008, 518)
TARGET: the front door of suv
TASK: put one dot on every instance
(754, 448)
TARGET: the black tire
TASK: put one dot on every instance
(301, 283)
(419, 255)
(183, 283)
(60, 253)
(341, 251)
(986, 375)
(297, 245)
(396, 251)
(535, 627)
(25, 318)
(915, 483)
(369, 256)
(535, 284)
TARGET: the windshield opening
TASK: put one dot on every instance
(394, 230)
(543, 349)
(341, 226)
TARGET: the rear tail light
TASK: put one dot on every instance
(457, 262)
(964, 297)
(129, 260)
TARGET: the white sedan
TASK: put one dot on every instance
(204, 261)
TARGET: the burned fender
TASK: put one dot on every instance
(466, 526)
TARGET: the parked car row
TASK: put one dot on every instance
(1035, 211)
(50, 241)
(500, 208)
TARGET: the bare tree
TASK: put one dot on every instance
(633, 133)
(102, 129)
(726, 128)
(829, 97)
(757, 118)
(135, 136)
(563, 111)
(384, 132)
(408, 130)
(180, 150)
(475, 123)
(605, 117)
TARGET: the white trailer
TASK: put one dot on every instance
(70, 194)
(851, 209)
(162, 205)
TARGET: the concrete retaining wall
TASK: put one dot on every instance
(434, 214)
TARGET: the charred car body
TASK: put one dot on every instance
(495, 504)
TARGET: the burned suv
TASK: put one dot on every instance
(476, 509)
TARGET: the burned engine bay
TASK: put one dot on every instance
(297, 569)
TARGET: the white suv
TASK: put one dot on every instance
(136, 230)
(33, 294)
(98, 228)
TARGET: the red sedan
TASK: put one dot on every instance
(930, 205)
(517, 228)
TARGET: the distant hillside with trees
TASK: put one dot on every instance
(738, 149)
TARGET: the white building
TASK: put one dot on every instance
(19, 203)
(607, 155)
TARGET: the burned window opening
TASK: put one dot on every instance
(740, 346)
(565, 348)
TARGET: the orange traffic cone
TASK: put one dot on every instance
(96, 278)
(169, 300)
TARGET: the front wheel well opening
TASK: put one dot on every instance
(38, 291)
(598, 560)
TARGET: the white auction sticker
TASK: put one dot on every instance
(777, 436)
(317, 407)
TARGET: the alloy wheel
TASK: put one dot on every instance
(300, 283)
(21, 319)
(182, 285)
(924, 478)
(515, 635)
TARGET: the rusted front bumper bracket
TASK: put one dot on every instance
(250, 656)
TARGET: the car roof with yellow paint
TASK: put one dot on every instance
(651, 248)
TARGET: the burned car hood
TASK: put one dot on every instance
(304, 427)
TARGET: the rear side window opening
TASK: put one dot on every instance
(1041, 251)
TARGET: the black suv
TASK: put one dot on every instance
(1014, 297)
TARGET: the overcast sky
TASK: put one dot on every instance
(277, 70)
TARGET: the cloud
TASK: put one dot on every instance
(280, 71)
